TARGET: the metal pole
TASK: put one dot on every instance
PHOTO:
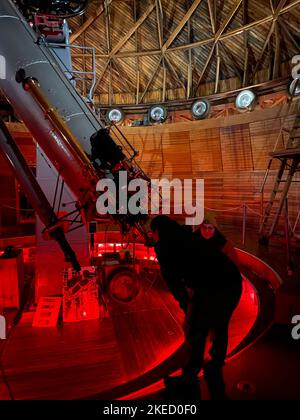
(34, 193)
(244, 223)
(287, 236)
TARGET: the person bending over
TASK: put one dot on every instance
(187, 262)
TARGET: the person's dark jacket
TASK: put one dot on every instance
(190, 261)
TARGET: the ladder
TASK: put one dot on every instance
(289, 158)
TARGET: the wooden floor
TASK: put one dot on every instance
(90, 357)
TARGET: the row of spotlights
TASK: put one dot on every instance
(245, 100)
(157, 114)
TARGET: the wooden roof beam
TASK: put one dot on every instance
(160, 28)
(132, 30)
(151, 80)
(88, 23)
(216, 39)
(276, 14)
(246, 44)
(171, 67)
(189, 84)
(207, 41)
(276, 64)
(180, 26)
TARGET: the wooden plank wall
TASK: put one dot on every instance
(230, 154)
(231, 157)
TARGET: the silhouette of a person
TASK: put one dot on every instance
(216, 284)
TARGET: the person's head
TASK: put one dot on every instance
(208, 226)
(207, 230)
(164, 228)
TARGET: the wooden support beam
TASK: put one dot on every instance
(213, 22)
(238, 31)
(212, 15)
(228, 53)
(102, 75)
(137, 95)
(180, 26)
(217, 70)
(124, 40)
(246, 44)
(288, 34)
(279, 8)
(216, 39)
(132, 30)
(159, 21)
(110, 87)
(207, 41)
(189, 87)
(163, 98)
(129, 86)
(88, 23)
(151, 80)
(171, 67)
(276, 65)
(271, 59)
(137, 60)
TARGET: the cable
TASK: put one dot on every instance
(15, 208)
(224, 210)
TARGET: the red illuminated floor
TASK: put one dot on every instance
(92, 357)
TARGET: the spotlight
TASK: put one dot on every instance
(158, 114)
(294, 87)
(245, 100)
(200, 109)
(115, 115)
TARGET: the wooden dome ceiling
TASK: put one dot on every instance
(159, 50)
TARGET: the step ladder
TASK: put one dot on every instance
(289, 158)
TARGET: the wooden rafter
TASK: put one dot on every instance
(123, 41)
(228, 53)
(223, 37)
(189, 86)
(216, 39)
(173, 71)
(212, 14)
(159, 19)
(181, 25)
(213, 21)
(276, 64)
(246, 43)
(108, 44)
(137, 60)
(167, 67)
(132, 30)
(289, 35)
(88, 23)
(151, 80)
(270, 32)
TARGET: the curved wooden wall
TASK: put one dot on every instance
(231, 154)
